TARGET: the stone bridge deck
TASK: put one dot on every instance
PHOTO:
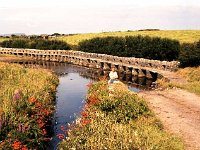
(137, 66)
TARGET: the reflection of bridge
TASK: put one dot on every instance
(130, 65)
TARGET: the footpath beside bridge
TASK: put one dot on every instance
(136, 66)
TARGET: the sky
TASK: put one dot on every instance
(86, 16)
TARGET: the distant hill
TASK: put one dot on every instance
(188, 36)
(17, 34)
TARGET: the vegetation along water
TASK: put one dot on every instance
(120, 121)
(26, 106)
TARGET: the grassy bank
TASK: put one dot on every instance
(26, 106)
(122, 121)
(188, 36)
(192, 77)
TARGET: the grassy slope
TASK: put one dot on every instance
(192, 75)
(122, 121)
(181, 35)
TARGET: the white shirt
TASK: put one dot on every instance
(113, 75)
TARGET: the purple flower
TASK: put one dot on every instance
(17, 95)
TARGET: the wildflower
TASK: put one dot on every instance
(20, 127)
(62, 128)
(89, 84)
(16, 145)
(2, 144)
(47, 139)
(24, 147)
(60, 136)
(17, 94)
(84, 114)
(44, 131)
(46, 112)
(84, 122)
(41, 124)
(32, 99)
(38, 104)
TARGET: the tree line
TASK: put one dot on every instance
(130, 46)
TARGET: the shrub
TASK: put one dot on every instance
(133, 46)
(99, 128)
(36, 43)
(26, 106)
(190, 54)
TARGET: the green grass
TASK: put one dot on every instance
(26, 106)
(189, 36)
(192, 74)
(3, 39)
(122, 121)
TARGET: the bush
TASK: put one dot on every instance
(190, 54)
(122, 121)
(36, 44)
(133, 46)
(26, 106)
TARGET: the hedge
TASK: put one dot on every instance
(190, 54)
(133, 46)
(36, 44)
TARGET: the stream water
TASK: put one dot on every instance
(72, 90)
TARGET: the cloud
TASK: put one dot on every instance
(95, 19)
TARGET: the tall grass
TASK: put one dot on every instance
(121, 121)
(192, 75)
(26, 106)
(184, 36)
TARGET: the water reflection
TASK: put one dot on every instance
(72, 90)
(64, 68)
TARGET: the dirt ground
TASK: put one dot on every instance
(179, 111)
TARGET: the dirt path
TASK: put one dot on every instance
(179, 111)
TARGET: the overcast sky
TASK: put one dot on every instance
(81, 16)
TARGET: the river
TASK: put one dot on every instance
(72, 90)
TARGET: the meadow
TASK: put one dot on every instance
(118, 121)
(184, 36)
(26, 106)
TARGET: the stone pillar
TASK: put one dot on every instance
(121, 68)
(128, 70)
(106, 66)
(92, 64)
(134, 72)
(141, 81)
(148, 74)
(81, 62)
(141, 73)
(86, 63)
(99, 64)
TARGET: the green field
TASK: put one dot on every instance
(2, 39)
(181, 35)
